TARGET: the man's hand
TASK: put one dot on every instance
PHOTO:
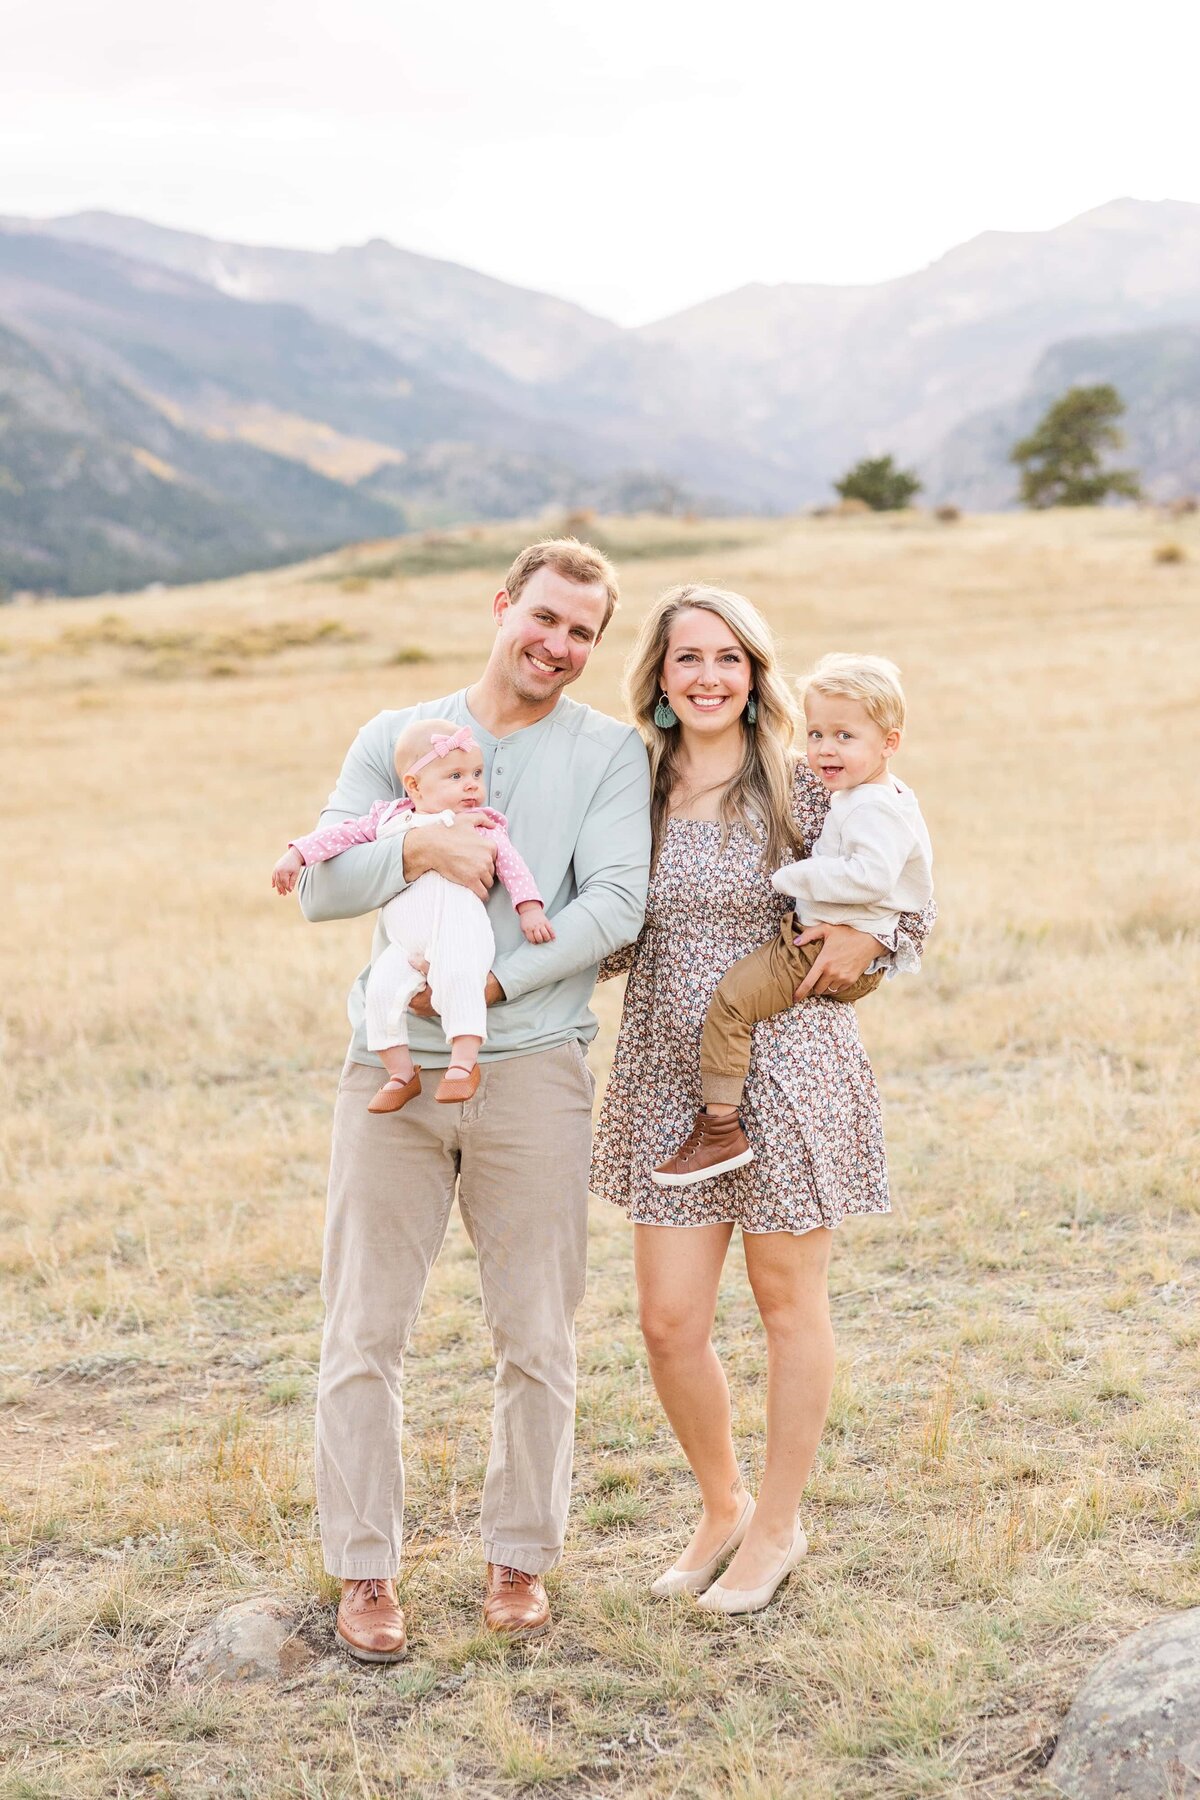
(459, 852)
(422, 1003)
(845, 956)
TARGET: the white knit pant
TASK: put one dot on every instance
(447, 926)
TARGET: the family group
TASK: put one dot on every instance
(517, 846)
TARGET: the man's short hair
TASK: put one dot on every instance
(570, 559)
(871, 680)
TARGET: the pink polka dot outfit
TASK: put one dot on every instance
(432, 920)
(331, 840)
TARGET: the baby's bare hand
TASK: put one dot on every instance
(535, 925)
(286, 871)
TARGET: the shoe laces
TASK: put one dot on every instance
(372, 1588)
(514, 1577)
(691, 1143)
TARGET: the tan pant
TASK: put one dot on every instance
(759, 986)
(518, 1152)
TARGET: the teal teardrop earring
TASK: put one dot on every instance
(751, 709)
(664, 714)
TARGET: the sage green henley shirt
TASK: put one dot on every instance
(575, 788)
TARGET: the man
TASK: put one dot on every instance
(575, 787)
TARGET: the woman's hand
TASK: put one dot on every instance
(286, 870)
(845, 955)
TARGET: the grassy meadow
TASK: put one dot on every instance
(1010, 1479)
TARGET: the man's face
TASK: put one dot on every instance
(548, 632)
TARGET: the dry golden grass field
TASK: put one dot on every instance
(1010, 1480)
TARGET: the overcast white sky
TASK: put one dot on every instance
(632, 156)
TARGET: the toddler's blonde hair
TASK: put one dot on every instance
(871, 680)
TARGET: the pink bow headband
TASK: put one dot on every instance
(442, 746)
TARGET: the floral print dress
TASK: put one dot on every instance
(811, 1108)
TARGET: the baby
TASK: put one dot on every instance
(435, 927)
(871, 862)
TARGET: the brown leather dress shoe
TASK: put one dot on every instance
(716, 1144)
(453, 1089)
(395, 1093)
(515, 1604)
(370, 1623)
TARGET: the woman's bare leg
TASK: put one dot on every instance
(678, 1273)
(790, 1279)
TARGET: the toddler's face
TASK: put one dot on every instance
(845, 745)
(450, 783)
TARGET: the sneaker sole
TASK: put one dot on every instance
(721, 1168)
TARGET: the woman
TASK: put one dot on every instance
(730, 804)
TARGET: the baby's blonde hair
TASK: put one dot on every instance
(871, 680)
(416, 739)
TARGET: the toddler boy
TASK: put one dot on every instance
(871, 862)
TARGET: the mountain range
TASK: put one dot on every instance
(173, 407)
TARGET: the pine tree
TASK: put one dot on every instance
(1060, 460)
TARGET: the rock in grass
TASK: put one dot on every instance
(1134, 1729)
(254, 1640)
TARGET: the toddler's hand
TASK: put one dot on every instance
(283, 875)
(534, 923)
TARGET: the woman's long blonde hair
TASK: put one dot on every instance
(760, 794)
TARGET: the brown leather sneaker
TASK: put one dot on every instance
(716, 1144)
(370, 1623)
(515, 1604)
(395, 1093)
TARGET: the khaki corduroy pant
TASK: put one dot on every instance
(758, 987)
(518, 1153)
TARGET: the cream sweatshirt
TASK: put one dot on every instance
(872, 861)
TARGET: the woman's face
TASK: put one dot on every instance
(706, 674)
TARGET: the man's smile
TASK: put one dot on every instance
(544, 668)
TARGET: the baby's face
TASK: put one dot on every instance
(845, 745)
(451, 783)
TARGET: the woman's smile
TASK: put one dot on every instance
(707, 702)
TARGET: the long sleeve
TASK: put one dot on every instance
(611, 864)
(904, 944)
(513, 870)
(332, 840)
(367, 875)
(876, 844)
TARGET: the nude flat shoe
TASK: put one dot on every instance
(453, 1089)
(395, 1093)
(750, 1600)
(694, 1581)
